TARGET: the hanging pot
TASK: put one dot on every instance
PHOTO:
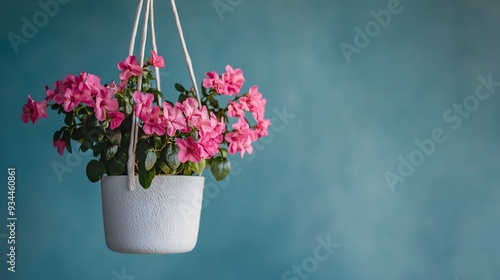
(163, 219)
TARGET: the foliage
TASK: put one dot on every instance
(181, 137)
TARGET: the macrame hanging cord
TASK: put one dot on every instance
(149, 16)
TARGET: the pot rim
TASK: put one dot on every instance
(161, 175)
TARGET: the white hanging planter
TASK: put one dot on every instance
(163, 219)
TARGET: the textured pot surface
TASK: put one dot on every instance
(163, 219)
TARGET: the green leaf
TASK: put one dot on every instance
(128, 108)
(148, 75)
(65, 134)
(160, 94)
(68, 146)
(171, 156)
(179, 88)
(223, 152)
(114, 136)
(110, 152)
(118, 165)
(98, 148)
(150, 160)
(77, 109)
(125, 141)
(220, 168)
(158, 143)
(198, 167)
(68, 120)
(141, 149)
(145, 87)
(164, 167)
(85, 146)
(220, 114)
(146, 176)
(100, 136)
(77, 134)
(58, 134)
(182, 97)
(214, 103)
(122, 157)
(66, 137)
(180, 169)
(203, 90)
(186, 170)
(95, 170)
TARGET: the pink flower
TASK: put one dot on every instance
(221, 128)
(130, 67)
(60, 145)
(240, 140)
(243, 127)
(254, 103)
(208, 125)
(117, 118)
(213, 81)
(69, 99)
(157, 60)
(153, 121)
(72, 92)
(235, 110)
(59, 87)
(104, 101)
(211, 135)
(85, 94)
(174, 119)
(34, 110)
(112, 88)
(188, 150)
(190, 109)
(261, 128)
(233, 79)
(69, 80)
(49, 94)
(143, 103)
(122, 85)
(209, 148)
(92, 83)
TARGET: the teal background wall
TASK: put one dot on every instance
(319, 176)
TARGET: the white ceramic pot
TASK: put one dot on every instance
(163, 219)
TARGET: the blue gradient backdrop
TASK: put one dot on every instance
(320, 175)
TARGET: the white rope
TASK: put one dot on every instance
(134, 132)
(153, 39)
(131, 150)
(143, 42)
(186, 54)
(134, 29)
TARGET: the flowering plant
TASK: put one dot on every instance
(182, 137)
